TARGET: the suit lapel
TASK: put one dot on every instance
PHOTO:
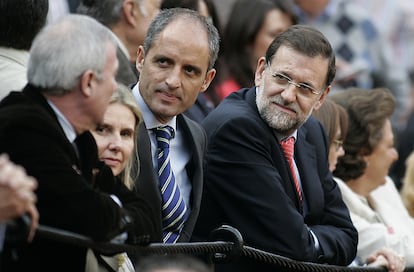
(307, 163)
(194, 169)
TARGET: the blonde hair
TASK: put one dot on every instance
(407, 190)
(123, 95)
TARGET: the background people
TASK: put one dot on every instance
(334, 119)
(251, 27)
(364, 58)
(362, 174)
(20, 21)
(175, 64)
(246, 167)
(128, 20)
(335, 122)
(50, 119)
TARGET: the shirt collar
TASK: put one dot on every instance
(281, 137)
(64, 123)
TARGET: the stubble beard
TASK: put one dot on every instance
(279, 121)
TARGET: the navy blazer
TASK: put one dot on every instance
(73, 192)
(147, 181)
(248, 185)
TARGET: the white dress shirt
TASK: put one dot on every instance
(180, 154)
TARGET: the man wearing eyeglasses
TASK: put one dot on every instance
(266, 166)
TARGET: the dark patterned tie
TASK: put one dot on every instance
(173, 205)
(288, 146)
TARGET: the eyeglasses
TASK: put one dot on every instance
(283, 81)
(338, 144)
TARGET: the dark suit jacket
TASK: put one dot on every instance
(70, 196)
(199, 110)
(147, 182)
(248, 186)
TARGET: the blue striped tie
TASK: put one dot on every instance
(173, 205)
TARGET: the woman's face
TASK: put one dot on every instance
(274, 23)
(335, 150)
(115, 137)
(381, 159)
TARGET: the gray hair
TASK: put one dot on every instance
(63, 51)
(167, 16)
(107, 12)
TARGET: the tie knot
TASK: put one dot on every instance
(288, 146)
(164, 135)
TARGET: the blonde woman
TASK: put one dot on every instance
(115, 139)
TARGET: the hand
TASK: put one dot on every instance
(388, 258)
(17, 195)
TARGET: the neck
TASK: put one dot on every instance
(360, 186)
(66, 106)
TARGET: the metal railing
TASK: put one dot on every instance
(226, 243)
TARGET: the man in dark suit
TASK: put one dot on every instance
(175, 65)
(290, 209)
(45, 128)
(128, 20)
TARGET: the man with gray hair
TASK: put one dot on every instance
(129, 21)
(45, 129)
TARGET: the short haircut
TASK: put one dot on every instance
(167, 16)
(63, 51)
(308, 41)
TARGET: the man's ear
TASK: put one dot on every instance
(260, 69)
(130, 11)
(87, 82)
(140, 58)
(207, 80)
(322, 98)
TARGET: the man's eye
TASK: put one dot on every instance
(280, 78)
(305, 88)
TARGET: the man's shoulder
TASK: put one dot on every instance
(239, 105)
(193, 127)
(19, 110)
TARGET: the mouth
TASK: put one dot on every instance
(167, 96)
(284, 108)
(111, 161)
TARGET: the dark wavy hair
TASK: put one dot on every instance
(368, 111)
(243, 25)
(21, 21)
